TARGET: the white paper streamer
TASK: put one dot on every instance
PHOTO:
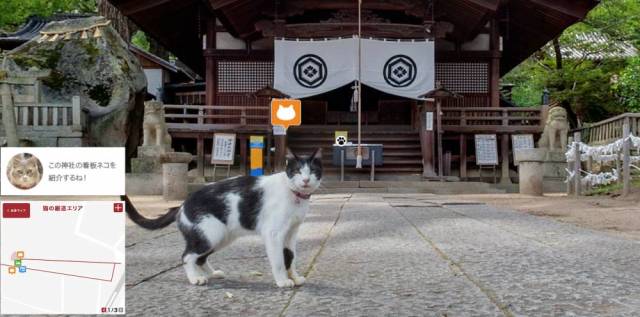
(602, 153)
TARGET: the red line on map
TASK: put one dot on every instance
(74, 261)
(74, 275)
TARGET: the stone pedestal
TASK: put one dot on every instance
(148, 160)
(531, 170)
(174, 175)
(555, 163)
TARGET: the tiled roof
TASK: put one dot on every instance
(598, 46)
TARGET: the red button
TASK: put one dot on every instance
(118, 207)
(16, 210)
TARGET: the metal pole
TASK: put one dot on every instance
(439, 134)
(373, 164)
(576, 164)
(359, 153)
(342, 164)
(626, 159)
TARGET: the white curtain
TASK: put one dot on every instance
(307, 68)
(400, 68)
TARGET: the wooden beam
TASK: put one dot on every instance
(505, 178)
(463, 156)
(219, 4)
(576, 9)
(211, 73)
(494, 46)
(487, 4)
(133, 7)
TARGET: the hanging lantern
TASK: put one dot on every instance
(67, 36)
(97, 33)
(43, 38)
(54, 37)
(84, 35)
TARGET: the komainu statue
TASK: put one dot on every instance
(556, 129)
(154, 126)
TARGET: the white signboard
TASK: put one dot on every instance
(429, 120)
(62, 171)
(486, 149)
(223, 150)
(521, 141)
(279, 130)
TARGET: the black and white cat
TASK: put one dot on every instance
(273, 206)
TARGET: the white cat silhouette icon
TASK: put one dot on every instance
(286, 113)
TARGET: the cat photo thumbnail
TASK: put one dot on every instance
(24, 171)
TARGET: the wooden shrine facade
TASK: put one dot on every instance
(230, 44)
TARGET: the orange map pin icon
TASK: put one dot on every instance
(286, 112)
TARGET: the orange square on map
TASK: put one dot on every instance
(286, 112)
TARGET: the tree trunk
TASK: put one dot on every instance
(558, 52)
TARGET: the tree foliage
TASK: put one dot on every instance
(628, 85)
(589, 85)
(14, 13)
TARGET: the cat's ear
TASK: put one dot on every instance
(290, 155)
(317, 154)
(17, 159)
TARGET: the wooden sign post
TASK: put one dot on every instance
(284, 113)
(256, 144)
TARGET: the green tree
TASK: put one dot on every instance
(14, 13)
(628, 85)
(586, 83)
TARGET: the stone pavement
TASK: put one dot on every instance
(398, 255)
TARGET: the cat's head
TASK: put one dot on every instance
(24, 171)
(304, 172)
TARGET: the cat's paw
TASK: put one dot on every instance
(198, 280)
(287, 283)
(216, 274)
(298, 280)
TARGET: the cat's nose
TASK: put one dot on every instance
(305, 181)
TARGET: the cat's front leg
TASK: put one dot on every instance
(274, 243)
(290, 256)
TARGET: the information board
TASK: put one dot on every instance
(486, 149)
(521, 141)
(429, 121)
(223, 150)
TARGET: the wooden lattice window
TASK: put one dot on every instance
(244, 76)
(464, 77)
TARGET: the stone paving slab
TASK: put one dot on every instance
(533, 266)
(364, 257)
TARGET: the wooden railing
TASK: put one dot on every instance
(206, 118)
(190, 98)
(491, 119)
(468, 100)
(609, 130)
(49, 114)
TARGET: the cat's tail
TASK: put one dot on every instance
(147, 223)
